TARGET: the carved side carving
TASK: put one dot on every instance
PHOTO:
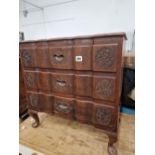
(104, 88)
(30, 80)
(104, 57)
(103, 116)
(27, 57)
(62, 107)
(34, 100)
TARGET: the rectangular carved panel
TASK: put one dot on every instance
(104, 117)
(31, 79)
(105, 57)
(27, 53)
(104, 87)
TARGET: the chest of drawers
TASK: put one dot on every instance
(76, 78)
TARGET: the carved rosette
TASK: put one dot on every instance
(104, 88)
(103, 116)
(104, 57)
(27, 57)
(34, 100)
(62, 107)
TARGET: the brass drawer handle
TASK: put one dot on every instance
(61, 83)
(58, 57)
(62, 107)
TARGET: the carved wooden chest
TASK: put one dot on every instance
(77, 78)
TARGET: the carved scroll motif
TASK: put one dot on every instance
(27, 57)
(105, 57)
(103, 116)
(104, 88)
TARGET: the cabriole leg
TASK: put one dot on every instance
(111, 149)
(34, 115)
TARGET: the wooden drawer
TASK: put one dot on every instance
(83, 54)
(64, 107)
(84, 111)
(104, 117)
(83, 85)
(60, 55)
(104, 87)
(40, 101)
(105, 57)
(62, 83)
(27, 54)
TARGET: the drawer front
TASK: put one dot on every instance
(104, 87)
(40, 102)
(27, 54)
(64, 107)
(62, 83)
(83, 85)
(104, 117)
(82, 57)
(105, 57)
(84, 111)
(61, 57)
(31, 79)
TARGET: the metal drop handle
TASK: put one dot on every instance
(61, 83)
(59, 57)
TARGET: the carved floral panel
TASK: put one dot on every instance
(27, 58)
(104, 88)
(30, 80)
(105, 58)
(103, 116)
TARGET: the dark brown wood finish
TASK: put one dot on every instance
(76, 78)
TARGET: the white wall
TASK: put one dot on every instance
(79, 17)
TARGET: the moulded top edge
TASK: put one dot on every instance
(122, 34)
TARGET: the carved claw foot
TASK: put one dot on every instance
(34, 115)
(111, 149)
